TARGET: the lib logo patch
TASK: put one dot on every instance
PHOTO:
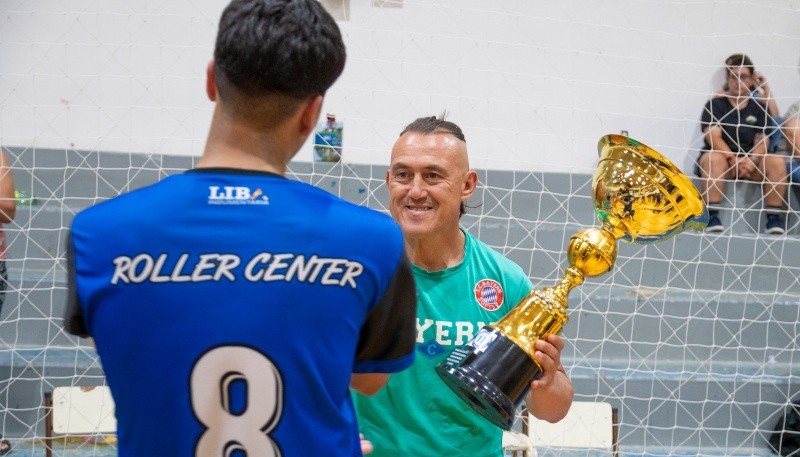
(236, 195)
(431, 349)
(489, 294)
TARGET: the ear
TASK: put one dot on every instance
(310, 115)
(211, 82)
(470, 184)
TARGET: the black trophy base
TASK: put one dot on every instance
(491, 374)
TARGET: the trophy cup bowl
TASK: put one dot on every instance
(639, 196)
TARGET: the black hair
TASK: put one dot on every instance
(288, 47)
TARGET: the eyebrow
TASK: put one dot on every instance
(434, 167)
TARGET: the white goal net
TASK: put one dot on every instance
(694, 341)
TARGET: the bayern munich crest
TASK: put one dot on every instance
(489, 294)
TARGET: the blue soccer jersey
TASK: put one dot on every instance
(229, 309)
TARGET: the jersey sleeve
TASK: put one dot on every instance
(73, 318)
(386, 343)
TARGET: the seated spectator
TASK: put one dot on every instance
(791, 131)
(763, 93)
(736, 129)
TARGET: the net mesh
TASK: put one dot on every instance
(694, 341)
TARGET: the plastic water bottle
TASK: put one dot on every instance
(328, 140)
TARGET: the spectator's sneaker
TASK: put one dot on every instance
(775, 225)
(714, 225)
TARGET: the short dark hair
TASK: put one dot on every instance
(437, 124)
(740, 60)
(737, 60)
(288, 47)
(434, 124)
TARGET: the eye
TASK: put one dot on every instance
(400, 175)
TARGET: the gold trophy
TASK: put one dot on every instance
(640, 197)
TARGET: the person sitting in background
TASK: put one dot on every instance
(762, 92)
(791, 132)
(735, 129)
(8, 209)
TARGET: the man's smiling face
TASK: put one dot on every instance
(427, 182)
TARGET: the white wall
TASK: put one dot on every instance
(534, 84)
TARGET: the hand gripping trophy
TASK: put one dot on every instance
(639, 196)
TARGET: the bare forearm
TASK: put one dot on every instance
(368, 383)
(713, 137)
(551, 395)
(791, 131)
(766, 98)
(552, 402)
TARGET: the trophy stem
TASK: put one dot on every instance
(542, 311)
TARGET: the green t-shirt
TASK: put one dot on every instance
(416, 414)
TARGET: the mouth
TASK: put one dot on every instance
(418, 209)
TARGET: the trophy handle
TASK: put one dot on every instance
(541, 312)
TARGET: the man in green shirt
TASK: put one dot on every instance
(462, 284)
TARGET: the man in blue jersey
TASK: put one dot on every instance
(231, 307)
(462, 284)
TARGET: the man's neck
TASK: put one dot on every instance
(439, 252)
(234, 145)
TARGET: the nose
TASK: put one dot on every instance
(417, 189)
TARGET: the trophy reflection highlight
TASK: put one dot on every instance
(640, 197)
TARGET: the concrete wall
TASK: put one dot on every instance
(534, 84)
